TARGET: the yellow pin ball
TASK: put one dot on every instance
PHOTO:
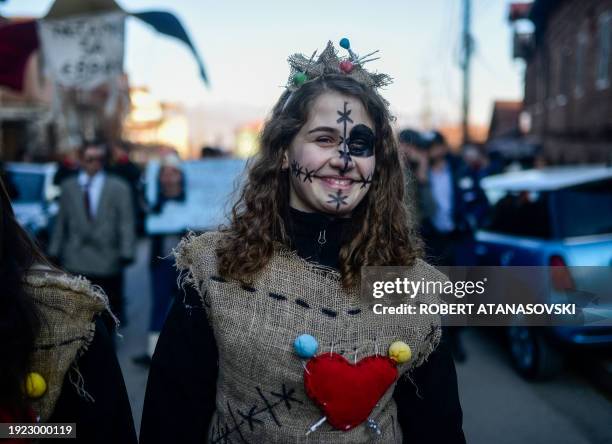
(36, 386)
(400, 352)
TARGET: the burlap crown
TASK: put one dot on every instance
(328, 62)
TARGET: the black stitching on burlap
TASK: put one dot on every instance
(329, 312)
(302, 303)
(278, 297)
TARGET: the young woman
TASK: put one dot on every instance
(322, 200)
(58, 363)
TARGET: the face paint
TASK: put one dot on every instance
(337, 199)
(344, 119)
(365, 181)
(361, 141)
(331, 159)
(301, 172)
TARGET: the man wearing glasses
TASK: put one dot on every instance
(94, 234)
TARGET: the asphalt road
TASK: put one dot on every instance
(499, 407)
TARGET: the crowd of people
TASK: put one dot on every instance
(445, 193)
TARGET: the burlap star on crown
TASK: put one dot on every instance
(304, 69)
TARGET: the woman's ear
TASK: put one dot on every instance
(285, 164)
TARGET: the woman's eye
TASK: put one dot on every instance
(325, 140)
(358, 145)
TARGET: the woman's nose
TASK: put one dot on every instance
(342, 161)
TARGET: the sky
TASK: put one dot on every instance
(245, 44)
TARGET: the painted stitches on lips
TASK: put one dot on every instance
(335, 181)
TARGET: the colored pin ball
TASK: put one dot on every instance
(400, 352)
(305, 346)
(346, 66)
(35, 385)
(344, 43)
(299, 78)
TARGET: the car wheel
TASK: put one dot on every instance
(532, 355)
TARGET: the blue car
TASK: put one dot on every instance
(559, 217)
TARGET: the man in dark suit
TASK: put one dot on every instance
(94, 233)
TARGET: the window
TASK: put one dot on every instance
(603, 51)
(584, 210)
(522, 214)
(581, 51)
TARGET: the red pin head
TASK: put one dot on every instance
(346, 66)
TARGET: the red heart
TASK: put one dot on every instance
(347, 393)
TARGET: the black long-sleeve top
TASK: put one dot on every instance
(108, 419)
(181, 390)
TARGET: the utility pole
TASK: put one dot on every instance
(466, 55)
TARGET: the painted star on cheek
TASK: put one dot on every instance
(308, 175)
(338, 199)
(364, 181)
(296, 169)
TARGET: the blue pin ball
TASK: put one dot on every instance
(344, 43)
(305, 346)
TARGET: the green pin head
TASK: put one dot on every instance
(299, 78)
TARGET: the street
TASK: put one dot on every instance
(498, 406)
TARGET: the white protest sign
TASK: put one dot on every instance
(209, 185)
(83, 51)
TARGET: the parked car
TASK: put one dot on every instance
(559, 217)
(35, 203)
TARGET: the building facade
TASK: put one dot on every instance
(568, 78)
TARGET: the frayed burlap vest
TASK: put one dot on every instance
(260, 389)
(67, 306)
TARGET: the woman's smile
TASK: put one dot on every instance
(337, 182)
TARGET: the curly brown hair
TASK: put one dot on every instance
(383, 228)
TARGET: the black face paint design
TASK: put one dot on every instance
(298, 171)
(344, 115)
(361, 141)
(364, 181)
(344, 154)
(338, 199)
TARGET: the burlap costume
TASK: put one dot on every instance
(260, 393)
(67, 306)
